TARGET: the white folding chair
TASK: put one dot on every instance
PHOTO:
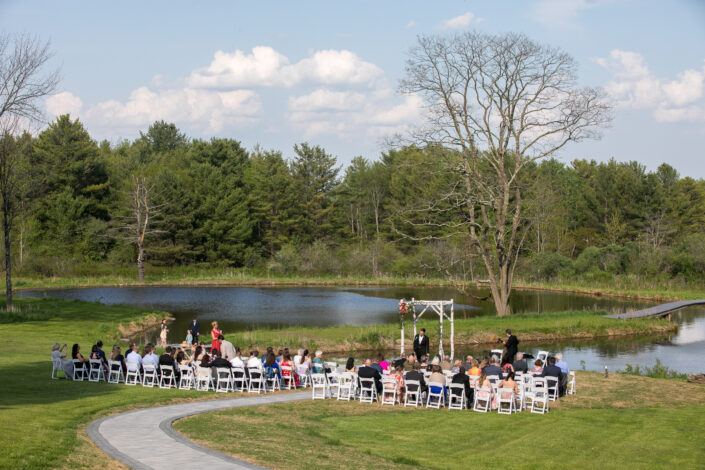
(506, 401)
(436, 397)
(56, 368)
(256, 383)
(80, 372)
(133, 374)
(539, 395)
(346, 386)
(167, 379)
(319, 386)
(413, 393)
(240, 382)
(149, 376)
(186, 377)
(368, 390)
(570, 387)
(304, 375)
(115, 375)
(543, 355)
(456, 397)
(223, 379)
(288, 381)
(271, 380)
(96, 372)
(483, 400)
(204, 380)
(497, 352)
(552, 385)
(389, 391)
(333, 379)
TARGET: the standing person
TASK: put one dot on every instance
(215, 334)
(511, 343)
(163, 330)
(189, 338)
(226, 348)
(195, 329)
(421, 344)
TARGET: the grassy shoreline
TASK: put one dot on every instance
(620, 288)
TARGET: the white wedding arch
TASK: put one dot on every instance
(437, 306)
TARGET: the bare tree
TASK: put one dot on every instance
(22, 85)
(139, 223)
(494, 104)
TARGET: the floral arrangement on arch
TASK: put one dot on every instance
(404, 309)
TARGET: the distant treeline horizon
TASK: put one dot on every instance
(214, 203)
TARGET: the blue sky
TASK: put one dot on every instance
(327, 72)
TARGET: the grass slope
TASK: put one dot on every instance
(619, 422)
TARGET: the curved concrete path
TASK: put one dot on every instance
(144, 439)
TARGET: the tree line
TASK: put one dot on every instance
(164, 199)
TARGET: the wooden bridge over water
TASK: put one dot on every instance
(657, 310)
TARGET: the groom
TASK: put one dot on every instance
(421, 345)
(195, 330)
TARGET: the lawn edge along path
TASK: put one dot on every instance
(145, 438)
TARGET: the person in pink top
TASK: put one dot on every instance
(382, 363)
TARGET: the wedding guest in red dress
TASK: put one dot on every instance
(289, 363)
(215, 333)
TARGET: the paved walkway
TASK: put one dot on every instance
(144, 439)
(657, 310)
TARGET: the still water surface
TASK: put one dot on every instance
(239, 308)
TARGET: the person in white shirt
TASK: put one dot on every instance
(254, 360)
(133, 357)
(149, 357)
(297, 358)
(237, 360)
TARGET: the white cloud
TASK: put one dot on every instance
(462, 21)
(411, 24)
(64, 103)
(265, 67)
(635, 86)
(345, 114)
(206, 110)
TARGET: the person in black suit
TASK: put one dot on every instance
(511, 343)
(218, 361)
(554, 373)
(462, 378)
(421, 344)
(369, 372)
(195, 329)
(415, 374)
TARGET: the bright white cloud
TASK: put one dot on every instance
(265, 67)
(462, 21)
(64, 103)
(209, 111)
(635, 86)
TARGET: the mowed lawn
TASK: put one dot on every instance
(618, 422)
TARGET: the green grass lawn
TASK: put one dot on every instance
(619, 422)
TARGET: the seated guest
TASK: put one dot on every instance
(401, 361)
(76, 354)
(369, 372)
(398, 374)
(438, 377)
(415, 374)
(96, 357)
(350, 365)
(423, 360)
(205, 360)
(509, 382)
(484, 363)
(484, 382)
(181, 358)
(456, 366)
(254, 360)
(475, 368)
(382, 362)
(462, 378)
(218, 361)
(303, 365)
(507, 367)
(264, 356)
(445, 363)
(561, 364)
(149, 358)
(101, 354)
(318, 366)
(520, 364)
(226, 348)
(468, 363)
(59, 353)
(538, 367)
(409, 363)
(270, 366)
(375, 364)
(237, 360)
(133, 358)
(493, 368)
(553, 374)
(297, 357)
(116, 355)
(287, 362)
(200, 352)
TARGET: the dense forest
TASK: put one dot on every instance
(169, 200)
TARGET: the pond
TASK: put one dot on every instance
(239, 308)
